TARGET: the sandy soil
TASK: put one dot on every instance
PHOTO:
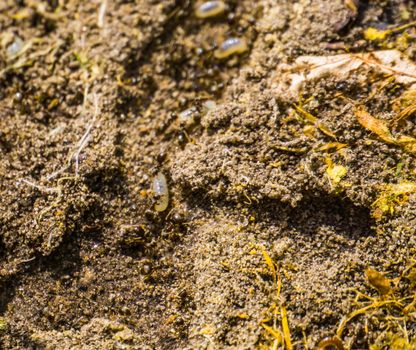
(291, 175)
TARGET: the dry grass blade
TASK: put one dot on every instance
(332, 146)
(407, 112)
(280, 336)
(408, 143)
(315, 121)
(286, 329)
(274, 333)
(270, 264)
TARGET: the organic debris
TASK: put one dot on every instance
(353, 5)
(3, 324)
(382, 130)
(163, 205)
(405, 105)
(332, 146)
(393, 300)
(280, 336)
(391, 62)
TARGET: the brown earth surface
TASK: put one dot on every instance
(291, 175)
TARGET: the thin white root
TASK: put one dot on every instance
(83, 142)
(56, 173)
(81, 145)
(101, 14)
(87, 135)
(40, 187)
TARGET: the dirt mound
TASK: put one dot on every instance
(289, 165)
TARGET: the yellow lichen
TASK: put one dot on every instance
(335, 172)
(391, 196)
(375, 34)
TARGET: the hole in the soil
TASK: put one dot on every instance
(2, 250)
(105, 180)
(340, 214)
(5, 145)
(6, 293)
(64, 261)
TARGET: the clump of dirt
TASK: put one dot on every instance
(288, 181)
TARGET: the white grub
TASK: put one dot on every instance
(187, 118)
(230, 47)
(209, 105)
(161, 192)
(210, 9)
(15, 47)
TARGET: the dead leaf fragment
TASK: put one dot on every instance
(391, 62)
(375, 125)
